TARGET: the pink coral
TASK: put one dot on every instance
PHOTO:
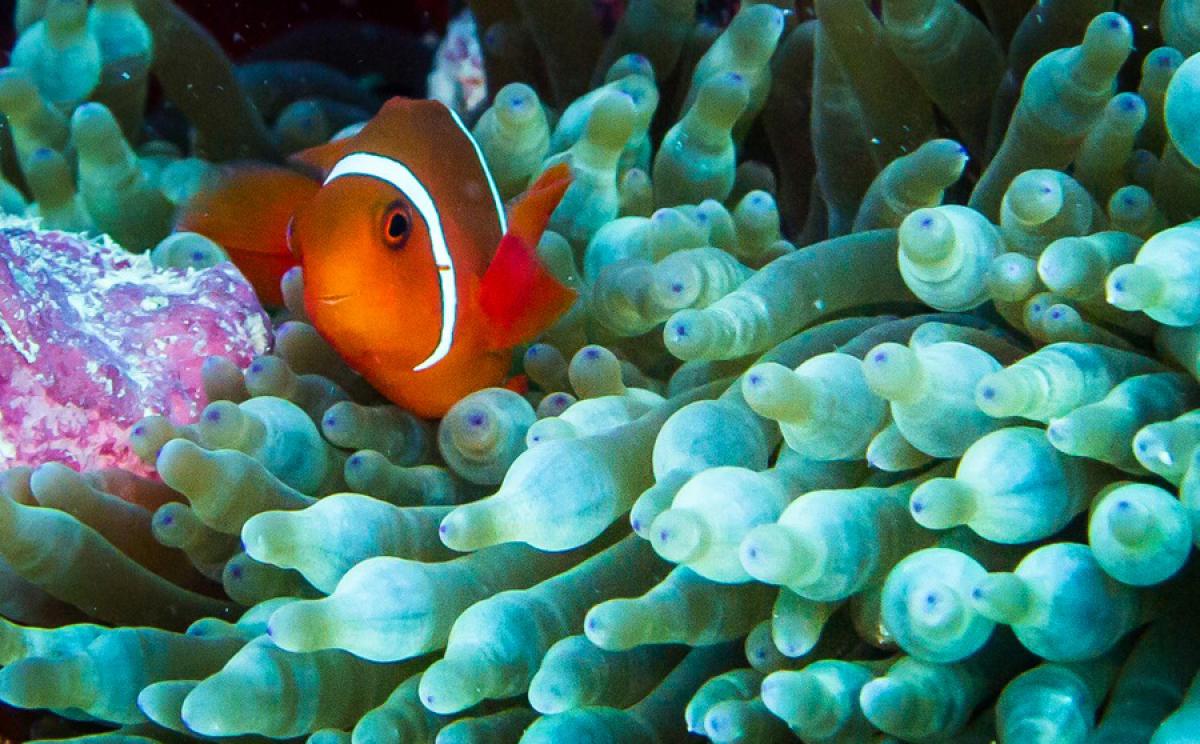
(93, 338)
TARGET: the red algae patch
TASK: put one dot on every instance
(93, 338)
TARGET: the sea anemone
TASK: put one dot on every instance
(875, 418)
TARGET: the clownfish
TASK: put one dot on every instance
(413, 269)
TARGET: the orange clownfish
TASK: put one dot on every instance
(413, 271)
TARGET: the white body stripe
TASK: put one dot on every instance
(398, 175)
(486, 171)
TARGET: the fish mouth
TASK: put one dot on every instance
(332, 299)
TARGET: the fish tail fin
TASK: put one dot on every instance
(518, 293)
(246, 210)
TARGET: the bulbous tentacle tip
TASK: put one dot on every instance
(1060, 433)
(201, 710)
(791, 695)
(473, 428)
(449, 686)
(769, 554)
(338, 420)
(1000, 394)
(220, 424)
(180, 459)
(1133, 287)
(890, 369)
(689, 334)
(1000, 597)
(51, 477)
(678, 536)
(1130, 522)
(299, 627)
(942, 503)
(37, 682)
(91, 114)
(1035, 197)
(614, 625)
(926, 237)
(269, 536)
(468, 527)
(886, 703)
(936, 608)
(548, 698)
(724, 722)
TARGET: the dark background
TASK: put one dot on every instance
(242, 25)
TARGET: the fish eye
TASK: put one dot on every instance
(397, 224)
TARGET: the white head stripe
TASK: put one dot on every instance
(398, 175)
(486, 171)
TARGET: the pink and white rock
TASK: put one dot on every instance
(93, 338)
(457, 78)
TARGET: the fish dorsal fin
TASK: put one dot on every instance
(319, 160)
(518, 294)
